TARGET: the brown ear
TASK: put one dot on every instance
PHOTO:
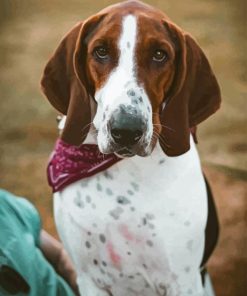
(193, 96)
(61, 85)
(59, 72)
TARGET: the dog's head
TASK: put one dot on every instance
(148, 79)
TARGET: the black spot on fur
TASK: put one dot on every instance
(88, 245)
(131, 93)
(88, 198)
(122, 200)
(99, 187)
(109, 191)
(102, 238)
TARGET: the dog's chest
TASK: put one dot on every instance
(138, 225)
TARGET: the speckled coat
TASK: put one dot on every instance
(137, 228)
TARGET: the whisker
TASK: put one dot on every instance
(93, 133)
(85, 134)
(86, 126)
(165, 126)
(161, 138)
(164, 142)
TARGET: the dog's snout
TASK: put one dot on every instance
(126, 128)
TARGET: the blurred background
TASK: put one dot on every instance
(29, 32)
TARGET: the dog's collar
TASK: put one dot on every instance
(70, 163)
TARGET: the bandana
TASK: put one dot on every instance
(70, 163)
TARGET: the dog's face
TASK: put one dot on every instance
(149, 79)
(130, 63)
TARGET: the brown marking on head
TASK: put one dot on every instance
(86, 61)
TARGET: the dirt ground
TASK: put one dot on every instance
(29, 32)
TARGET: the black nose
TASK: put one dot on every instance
(127, 126)
(127, 137)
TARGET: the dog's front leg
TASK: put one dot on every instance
(88, 288)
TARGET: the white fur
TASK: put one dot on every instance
(121, 80)
(168, 190)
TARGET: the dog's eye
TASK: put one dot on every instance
(101, 52)
(160, 55)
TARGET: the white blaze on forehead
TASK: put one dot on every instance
(125, 71)
(127, 45)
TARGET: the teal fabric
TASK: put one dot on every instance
(20, 227)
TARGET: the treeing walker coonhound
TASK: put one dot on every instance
(132, 206)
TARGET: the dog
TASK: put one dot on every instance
(131, 203)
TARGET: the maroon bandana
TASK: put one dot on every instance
(71, 163)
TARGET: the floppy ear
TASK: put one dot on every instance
(194, 94)
(60, 83)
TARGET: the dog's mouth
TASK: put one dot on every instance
(141, 149)
(125, 152)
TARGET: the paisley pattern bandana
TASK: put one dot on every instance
(70, 163)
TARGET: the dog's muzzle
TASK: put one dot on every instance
(127, 127)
